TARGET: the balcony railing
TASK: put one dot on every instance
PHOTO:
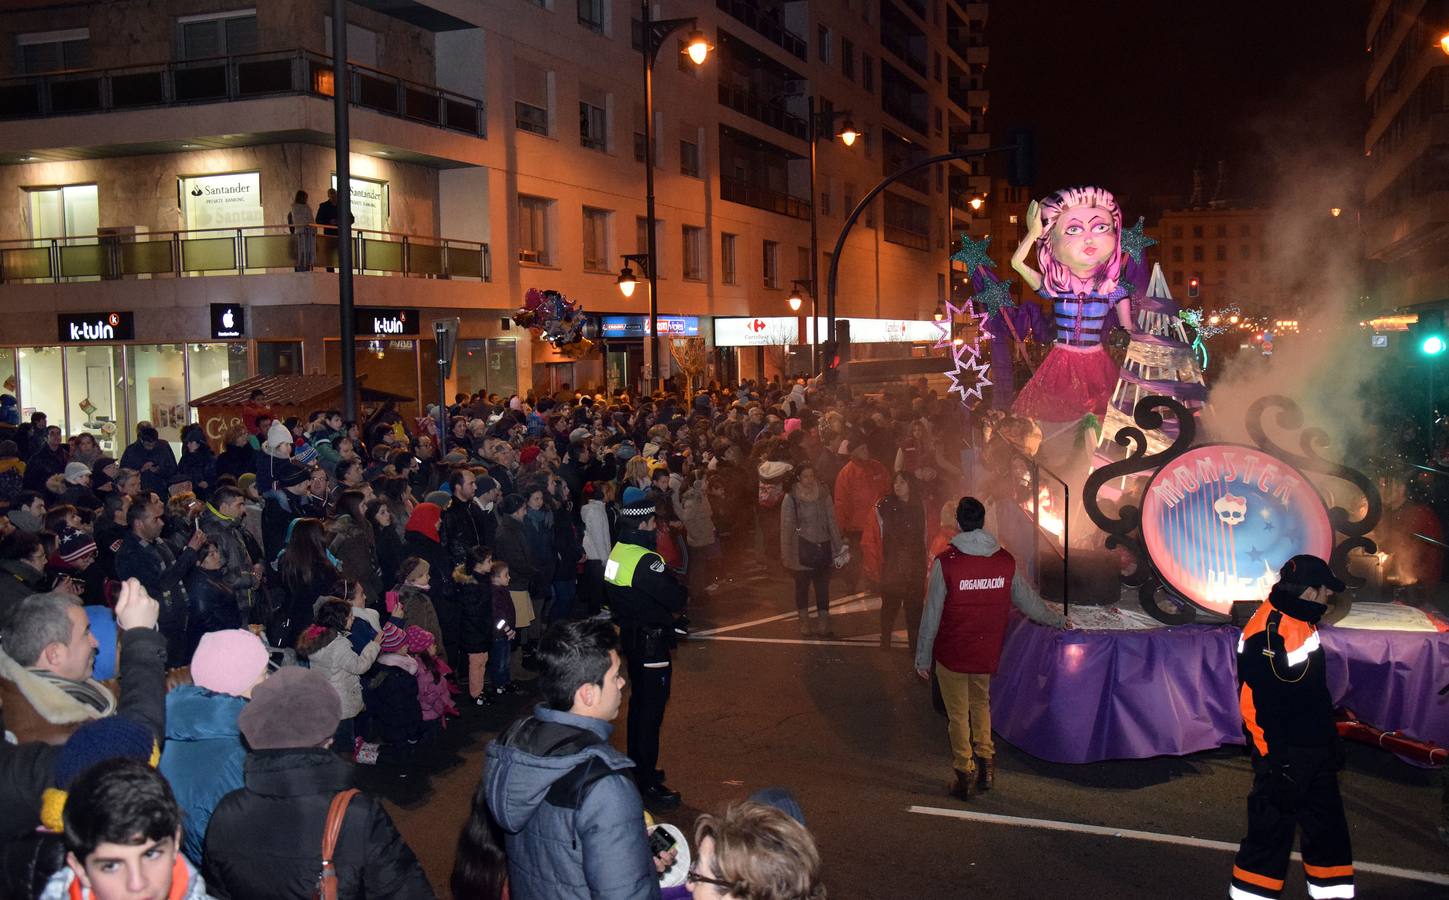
(760, 197)
(227, 78)
(765, 24)
(907, 236)
(757, 108)
(239, 251)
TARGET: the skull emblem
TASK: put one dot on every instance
(1231, 509)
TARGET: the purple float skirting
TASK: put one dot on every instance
(1086, 696)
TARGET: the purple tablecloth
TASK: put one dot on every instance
(1085, 696)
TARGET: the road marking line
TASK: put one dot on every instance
(754, 640)
(1156, 837)
(849, 598)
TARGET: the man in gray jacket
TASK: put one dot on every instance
(572, 818)
(972, 587)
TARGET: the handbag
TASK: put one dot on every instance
(327, 879)
(813, 555)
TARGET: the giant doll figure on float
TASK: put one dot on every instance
(1077, 235)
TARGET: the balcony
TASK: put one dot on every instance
(765, 23)
(232, 78)
(237, 251)
(759, 109)
(907, 236)
(761, 197)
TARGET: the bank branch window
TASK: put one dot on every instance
(369, 203)
(63, 212)
(41, 386)
(222, 201)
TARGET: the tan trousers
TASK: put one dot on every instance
(477, 664)
(968, 710)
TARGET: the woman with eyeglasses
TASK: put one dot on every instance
(754, 852)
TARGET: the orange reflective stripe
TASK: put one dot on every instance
(1328, 871)
(1250, 719)
(1262, 881)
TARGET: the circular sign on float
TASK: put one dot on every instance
(1221, 519)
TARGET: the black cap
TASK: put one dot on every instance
(1309, 572)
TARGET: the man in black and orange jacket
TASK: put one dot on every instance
(1289, 721)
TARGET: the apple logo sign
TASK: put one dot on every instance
(228, 319)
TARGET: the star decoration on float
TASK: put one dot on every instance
(996, 295)
(973, 254)
(959, 385)
(1134, 241)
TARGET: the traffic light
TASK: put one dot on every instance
(1429, 333)
(835, 351)
(1021, 171)
(1194, 285)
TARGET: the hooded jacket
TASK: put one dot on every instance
(1282, 681)
(1023, 597)
(203, 757)
(344, 668)
(590, 845)
(264, 841)
(230, 537)
(858, 488)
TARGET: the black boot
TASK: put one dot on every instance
(985, 774)
(659, 796)
(965, 786)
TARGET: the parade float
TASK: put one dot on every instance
(1166, 537)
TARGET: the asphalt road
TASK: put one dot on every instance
(849, 729)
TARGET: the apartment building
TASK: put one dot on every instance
(1217, 256)
(151, 151)
(1406, 192)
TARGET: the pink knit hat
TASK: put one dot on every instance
(792, 425)
(419, 639)
(393, 638)
(228, 662)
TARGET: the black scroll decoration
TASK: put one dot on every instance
(1125, 530)
(1289, 417)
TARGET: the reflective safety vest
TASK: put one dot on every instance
(623, 560)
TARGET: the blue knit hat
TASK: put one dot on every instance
(114, 737)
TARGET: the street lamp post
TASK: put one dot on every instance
(342, 140)
(697, 49)
(816, 123)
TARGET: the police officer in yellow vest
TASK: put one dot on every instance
(644, 599)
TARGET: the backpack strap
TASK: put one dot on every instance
(569, 790)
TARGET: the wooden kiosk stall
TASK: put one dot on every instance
(287, 395)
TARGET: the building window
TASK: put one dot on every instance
(217, 34)
(1197, 255)
(689, 157)
(591, 15)
(825, 203)
(1177, 278)
(596, 240)
(1245, 251)
(1222, 253)
(593, 120)
(638, 146)
(940, 122)
(849, 198)
(61, 212)
(1197, 231)
(847, 58)
(1177, 254)
(534, 243)
(822, 43)
(867, 72)
(694, 250)
(772, 264)
(363, 44)
(940, 288)
(1245, 230)
(530, 100)
(1222, 231)
(54, 51)
(802, 263)
(937, 67)
(728, 273)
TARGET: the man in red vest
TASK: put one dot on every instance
(972, 588)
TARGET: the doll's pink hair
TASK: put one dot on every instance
(1055, 277)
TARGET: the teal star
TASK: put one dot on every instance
(973, 254)
(1134, 241)
(995, 296)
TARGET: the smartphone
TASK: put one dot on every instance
(660, 841)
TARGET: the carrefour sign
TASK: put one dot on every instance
(1220, 520)
(757, 331)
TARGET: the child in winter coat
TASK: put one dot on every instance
(413, 602)
(327, 648)
(395, 716)
(434, 693)
(503, 631)
(475, 595)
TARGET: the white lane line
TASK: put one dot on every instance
(1158, 838)
(754, 640)
(843, 601)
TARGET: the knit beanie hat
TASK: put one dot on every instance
(75, 545)
(394, 638)
(75, 471)
(528, 454)
(245, 481)
(295, 707)
(440, 497)
(229, 661)
(291, 475)
(277, 435)
(96, 741)
(419, 639)
(304, 454)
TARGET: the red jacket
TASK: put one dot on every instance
(974, 617)
(858, 488)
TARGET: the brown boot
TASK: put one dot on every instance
(965, 786)
(985, 774)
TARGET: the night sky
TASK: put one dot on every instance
(1131, 94)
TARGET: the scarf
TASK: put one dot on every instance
(89, 692)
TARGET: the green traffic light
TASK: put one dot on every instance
(1433, 345)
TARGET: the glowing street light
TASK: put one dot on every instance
(848, 133)
(1444, 43)
(627, 282)
(697, 47)
(975, 204)
(1335, 212)
(795, 301)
